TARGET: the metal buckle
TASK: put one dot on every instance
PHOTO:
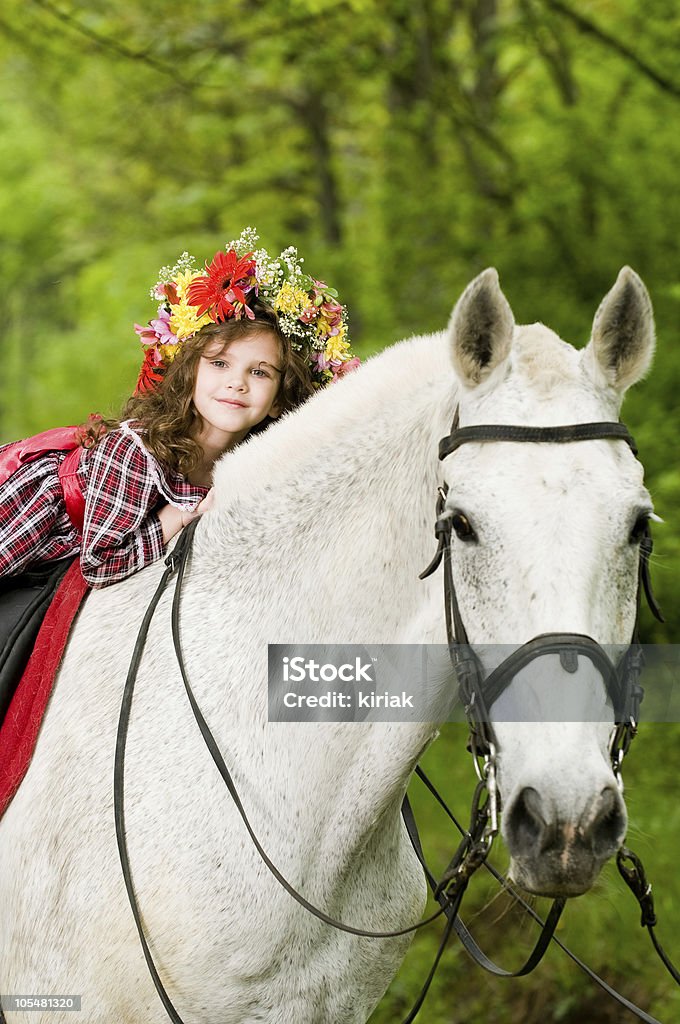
(622, 737)
(489, 771)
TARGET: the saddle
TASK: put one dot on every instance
(24, 600)
(39, 643)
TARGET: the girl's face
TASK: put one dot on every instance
(236, 387)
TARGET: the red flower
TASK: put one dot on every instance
(222, 291)
(150, 374)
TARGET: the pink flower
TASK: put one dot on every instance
(308, 314)
(147, 335)
(157, 331)
(337, 367)
(319, 360)
(341, 369)
(332, 311)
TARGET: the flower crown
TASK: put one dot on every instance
(308, 311)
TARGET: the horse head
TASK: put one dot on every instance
(546, 540)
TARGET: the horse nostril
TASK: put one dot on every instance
(528, 829)
(534, 829)
(606, 824)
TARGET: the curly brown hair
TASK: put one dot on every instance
(166, 414)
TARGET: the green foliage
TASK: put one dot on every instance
(403, 147)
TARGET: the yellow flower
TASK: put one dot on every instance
(183, 319)
(337, 346)
(183, 280)
(168, 352)
(291, 300)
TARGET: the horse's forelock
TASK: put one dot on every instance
(542, 359)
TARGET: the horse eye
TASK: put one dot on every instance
(640, 528)
(461, 524)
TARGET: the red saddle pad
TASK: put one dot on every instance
(19, 731)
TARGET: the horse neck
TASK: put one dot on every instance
(320, 529)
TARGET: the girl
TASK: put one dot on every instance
(232, 348)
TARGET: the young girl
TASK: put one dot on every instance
(232, 348)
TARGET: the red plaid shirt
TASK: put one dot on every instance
(124, 488)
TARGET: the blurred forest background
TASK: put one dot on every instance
(403, 147)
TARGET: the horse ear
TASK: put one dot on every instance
(621, 347)
(480, 329)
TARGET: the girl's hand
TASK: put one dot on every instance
(174, 519)
(207, 503)
(203, 506)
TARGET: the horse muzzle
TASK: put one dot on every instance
(563, 813)
(555, 857)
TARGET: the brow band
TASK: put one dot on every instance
(545, 435)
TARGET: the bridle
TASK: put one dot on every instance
(478, 694)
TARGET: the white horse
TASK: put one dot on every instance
(320, 530)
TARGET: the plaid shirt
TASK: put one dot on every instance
(124, 487)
